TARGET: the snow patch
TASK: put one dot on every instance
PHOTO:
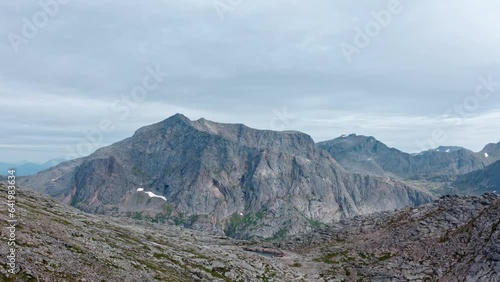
(369, 159)
(486, 155)
(153, 195)
(447, 151)
(241, 213)
(343, 136)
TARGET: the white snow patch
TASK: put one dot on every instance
(447, 151)
(486, 155)
(140, 189)
(343, 136)
(369, 159)
(153, 195)
(241, 213)
(495, 191)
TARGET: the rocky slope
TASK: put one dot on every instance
(454, 239)
(478, 182)
(55, 242)
(221, 177)
(457, 238)
(430, 169)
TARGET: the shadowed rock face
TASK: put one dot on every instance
(481, 181)
(222, 177)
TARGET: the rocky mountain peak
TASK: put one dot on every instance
(447, 149)
(222, 177)
(492, 150)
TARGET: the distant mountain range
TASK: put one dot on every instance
(28, 168)
(223, 178)
(434, 169)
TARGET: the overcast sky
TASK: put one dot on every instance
(268, 64)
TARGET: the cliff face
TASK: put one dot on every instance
(222, 177)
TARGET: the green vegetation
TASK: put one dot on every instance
(238, 222)
(347, 271)
(329, 257)
(281, 234)
(314, 223)
(385, 257)
(268, 274)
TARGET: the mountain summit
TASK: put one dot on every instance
(223, 178)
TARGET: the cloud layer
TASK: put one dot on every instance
(268, 64)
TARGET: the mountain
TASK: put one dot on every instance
(453, 239)
(367, 155)
(28, 168)
(221, 177)
(431, 169)
(447, 149)
(491, 151)
(480, 181)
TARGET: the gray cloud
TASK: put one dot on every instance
(263, 57)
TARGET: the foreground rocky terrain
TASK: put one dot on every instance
(454, 239)
(226, 178)
(457, 238)
(59, 243)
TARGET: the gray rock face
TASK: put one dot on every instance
(441, 166)
(492, 151)
(222, 177)
(481, 181)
